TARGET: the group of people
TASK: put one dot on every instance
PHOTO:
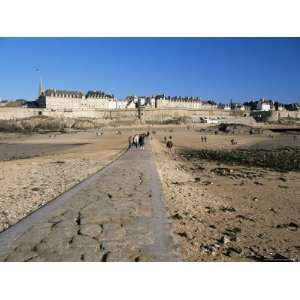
(204, 139)
(233, 142)
(138, 140)
(99, 133)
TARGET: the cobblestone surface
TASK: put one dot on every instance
(116, 215)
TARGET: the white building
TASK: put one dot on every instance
(162, 101)
(263, 106)
(280, 108)
(64, 100)
(139, 101)
(121, 104)
(224, 106)
(240, 107)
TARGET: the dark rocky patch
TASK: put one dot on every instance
(281, 159)
(291, 226)
(177, 216)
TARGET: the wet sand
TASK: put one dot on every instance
(224, 212)
(11, 151)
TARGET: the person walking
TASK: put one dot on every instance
(141, 141)
(169, 145)
(129, 142)
(136, 140)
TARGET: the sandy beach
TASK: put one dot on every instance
(219, 211)
(34, 169)
(229, 212)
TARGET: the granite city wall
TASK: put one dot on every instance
(273, 116)
(123, 115)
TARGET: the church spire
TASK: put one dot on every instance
(41, 88)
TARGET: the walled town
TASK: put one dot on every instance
(85, 176)
(146, 109)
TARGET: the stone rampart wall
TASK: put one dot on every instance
(11, 113)
(130, 115)
(155, 114)
(273, 116)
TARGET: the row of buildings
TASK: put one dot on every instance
(260, 105)
(163, 101)
(68, 101)
(271, 105)
(65, 100)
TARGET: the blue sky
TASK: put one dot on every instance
(211, 68)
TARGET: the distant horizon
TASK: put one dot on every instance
(218, 69)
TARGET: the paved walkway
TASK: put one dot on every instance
(116, 215)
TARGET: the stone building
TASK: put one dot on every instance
(65, 100)
(264, 105)
(135, 101)
(162, 101)
(68, 101)
(121, 104)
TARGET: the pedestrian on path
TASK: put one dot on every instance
(136, 140)
(233, 142)
(141, 141)
(170, 146)
(129, 142)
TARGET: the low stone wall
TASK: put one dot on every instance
(13, 113)
(274, 116)
(161, 115)
(105, 115)
(278, 115)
